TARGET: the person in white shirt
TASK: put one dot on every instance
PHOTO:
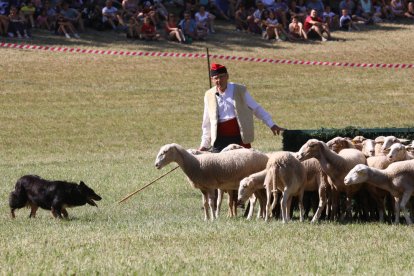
(205, 20)
(111, 16)
(228, 114)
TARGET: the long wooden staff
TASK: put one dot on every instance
(140, 189)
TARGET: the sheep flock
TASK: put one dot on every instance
(344, 179)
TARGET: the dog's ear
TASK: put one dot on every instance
(82, 184)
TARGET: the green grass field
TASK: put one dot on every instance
(102, 119)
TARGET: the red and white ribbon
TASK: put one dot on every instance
(191, 55)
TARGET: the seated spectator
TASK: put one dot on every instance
(367, 10)
(73, 16)
(204, 20)
(255, 19)
(27, 11)
(314, 26)
(148, 30)
(130, 8)
(397, 8)
(240, 18)
(134, 28)
(410, 10)
(296, 29)
(273, 29)
(296, 11)
(316, 5)
(377, 11)
(330, 17)
(111, 16)
(42, 21)
(346, 23)
(17, 25)
(351, 7)
(4, 19)
(65, 27)
(172, 30)
(150, 11)
(281, 10)
(189, 28)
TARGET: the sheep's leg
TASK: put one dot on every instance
(205, 205)
(334, 204)
(212, 202)
(397, 210)
(284, 206)
(232, 203)
(268, 203)
(252, 201)
(322, 203)
(219, 200)
(274, 202)
(301, 208)
(405, 198)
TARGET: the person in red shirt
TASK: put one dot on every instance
(148, 31)
(314, 26)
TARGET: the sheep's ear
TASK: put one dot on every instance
(403, 141)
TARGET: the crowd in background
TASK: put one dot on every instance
(187, 20)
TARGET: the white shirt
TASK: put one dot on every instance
(227, 111)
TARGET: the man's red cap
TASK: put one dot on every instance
(217, 69)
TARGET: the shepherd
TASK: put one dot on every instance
(228, 113)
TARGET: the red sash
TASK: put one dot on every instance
(230, 128)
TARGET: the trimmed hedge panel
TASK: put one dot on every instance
(294, 139)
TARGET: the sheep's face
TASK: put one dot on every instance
(368, 148)
(337, 144)
(163, 157)
(308, 150)
(246, 189)
(396, 150)
(358, 174)
(388, 142)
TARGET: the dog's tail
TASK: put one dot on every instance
(17, 198)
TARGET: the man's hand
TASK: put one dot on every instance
(277, 129)
(202, 149)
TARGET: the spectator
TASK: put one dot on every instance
(330, 17)
(172, 30)
(397, 8)
(296, 29)
(255, 20)
(17, 25)
(27, 11)
(281, 10)
(296, 11)
(4, 19)
(73, 16)
(346, 23)
(111, 16)
(365, 10)
(130, 8)
(134, 28)
(148, 30)
(42, 21)
(189, 27)
(316, 5)
(410, 10)
(314, 26)
(241, 18)
(273, 29)
(204, 20)
(65, 27)
(351, 7)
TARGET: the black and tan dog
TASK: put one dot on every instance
(35, 192)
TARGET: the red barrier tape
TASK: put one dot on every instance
(190, 55)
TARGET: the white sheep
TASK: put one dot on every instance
(286, 174)
(208, 172)
(339, 143)
(397, 178)
(389, 141)
(336, 166)
(398, 152)
(252, 187)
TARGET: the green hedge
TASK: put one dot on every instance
(294, 139)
